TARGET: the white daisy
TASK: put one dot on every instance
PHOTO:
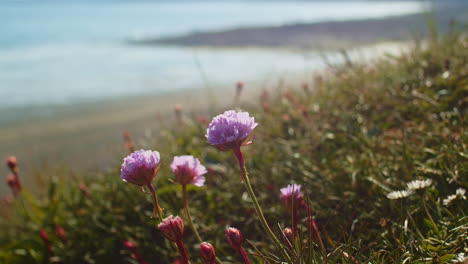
(459, 194)
(418, 184)
(399, 194)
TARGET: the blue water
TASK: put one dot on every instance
(61, 52)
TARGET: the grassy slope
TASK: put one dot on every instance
(364, 131)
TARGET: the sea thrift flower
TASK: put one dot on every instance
(459, 194)
(134, 250)
(84, 190)
(178, 112)
(203, 120)
(399, 194)
(60, 232)
(188, 170)
(45, 239)
(140, 167)
(235, 239)
(288, 236)
(418, 184)
(239, 87)
(292, 198)
(207, 253)
(13, 182)
(292, 195)
(12, 164)
(128, 143)
(172, 228)
(230, 130)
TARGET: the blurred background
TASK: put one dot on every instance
(75, 74)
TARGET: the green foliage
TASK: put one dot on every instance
(360, 133)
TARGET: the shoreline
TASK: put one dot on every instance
(321, 35)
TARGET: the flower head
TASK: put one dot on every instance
(459, 194)
(288, 235)
(234, 238)
(12, 180)
(60, 232)
(129, 245)
(188, 170)
(230, 130)
(399, 194)
(418, 184)
(207, 253)
(12, 162)
(172, 228)
(291, 195)
(140, 167)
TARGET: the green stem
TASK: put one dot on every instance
(258, 209)
(189, 217)
(187, 212)
(428, 214)
(156, 208)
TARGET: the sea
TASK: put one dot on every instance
(70, 51)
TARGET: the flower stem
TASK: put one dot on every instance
(189, 217)
(258, 209)
(182, 252)
(295, 223)
(187, 212)
(156, 208)
(244, 256)
(428, 214)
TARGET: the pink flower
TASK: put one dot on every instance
(234, 238)
(207, 253)
(12, 163)
(230, 130)
(140, 167)
(60, 232)
(188, 170)
(12, 180)
(292, 195)
(172, 228)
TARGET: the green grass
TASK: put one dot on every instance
(364, 131)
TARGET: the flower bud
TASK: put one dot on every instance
(172, 228)
(12, 163)
(288, 234)
(207, 253)
(234, 238)
(129, 245)
(12, 181)
(84, 190)
(44, 235)
(60, 232)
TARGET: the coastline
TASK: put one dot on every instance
(322, 35)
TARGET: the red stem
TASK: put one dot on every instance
(157, 211)
(245, 258)
(182, 252)
(295, 222)
(138, 257)
(240, 158)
